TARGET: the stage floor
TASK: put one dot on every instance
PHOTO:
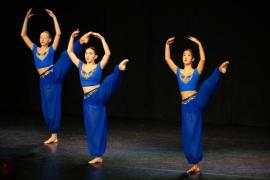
(137, 149)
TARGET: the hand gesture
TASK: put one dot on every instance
(29, 14)
(170, 40)
(75, 33)
(194, 39)
(50, 13)
(85, 38)
(97, 35)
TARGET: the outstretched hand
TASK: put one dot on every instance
(29, 13)
(50, 13)
(170, 40)
(194, 39)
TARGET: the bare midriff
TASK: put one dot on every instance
(87, 89)
(187, 94)
(43, 70)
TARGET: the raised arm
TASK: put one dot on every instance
(106, 48)
(70, 51)
(24, 35)
(57, 29)
(201, 63)
(168, 58)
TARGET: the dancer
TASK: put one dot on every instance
(193, 101)
(51, 75)
(96, 95)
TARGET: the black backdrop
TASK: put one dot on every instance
(138, 30)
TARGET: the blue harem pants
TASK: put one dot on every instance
(192, 108)
(51, 88)
(95, 116)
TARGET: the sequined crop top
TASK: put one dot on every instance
(187, 82)
(45, 59)
(90, 78)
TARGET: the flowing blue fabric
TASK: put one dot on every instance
(51, 89)
(192, 108)
(95, 116)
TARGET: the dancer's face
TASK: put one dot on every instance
(90, 55)
(187, 57)
(44, 39)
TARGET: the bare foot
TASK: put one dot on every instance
(123, 64)
(97, 165)
(52, 139)
(96, 160)
(194, 169)
(223, 67)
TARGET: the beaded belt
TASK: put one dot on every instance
(188, 99)
(50, 70)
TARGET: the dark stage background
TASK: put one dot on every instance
(138, 30)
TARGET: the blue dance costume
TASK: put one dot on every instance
(94, 106)
(51, 83)
(192, 108)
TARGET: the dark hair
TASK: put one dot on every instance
(93, 48)
(191, 52)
